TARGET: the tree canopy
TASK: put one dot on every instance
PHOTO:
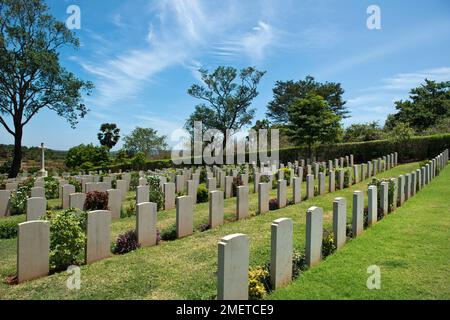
(31, 76)
(227, 97)
(312, 121)
(429, 104)
(145, 140)
(363, 132)
(109, 135)
(286, 92)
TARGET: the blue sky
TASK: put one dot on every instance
(143, 56)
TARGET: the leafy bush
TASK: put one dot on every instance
(258, 283)
(170, 233)
(273, 204)
(67, 239)
(128, 211)
(203, 175)
(391, 190)
(347, 178)
(9, 226)
(51, 188)
(155, 194)
(126, 242)
(84, 156)
(264, 178)
(18, 201)
(134, 180)
(202, 194)
(237, 182)
(74, 182)
(287, 175)
(4, 168)
(298, 263)
(96, 201)
(138, 161)
(328, 246)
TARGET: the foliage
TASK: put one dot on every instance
(51, 188)
(169, 233)
(237, 182)
(30, 70)
(273, 204)
(313, 122)
(428, 103)
(226, 97)
(145, 140)
(299, 264)
(347, 177)
(202, 193)
(85, 156)
(287, 175)
(328, 246)
(441, 126)
(285, 93)
(203, 175)
(9, 226)
(126, 242)
(391, 190)
(96, 200)
(155, 194)
(363, 132)
(109, 135)
(138, 161)
(67, 239)
(5, 166)
(203, 227)
(258, 282)
(129, 210)
(18, 200)
(400, 133)
(74, 182)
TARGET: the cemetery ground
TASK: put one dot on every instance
(411, 247)
(186, 268)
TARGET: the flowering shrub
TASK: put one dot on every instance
(328, 246)
(96, 201)
(18, 200)
(202, 194)
(258, 283)
(126, 242)
(298, 264)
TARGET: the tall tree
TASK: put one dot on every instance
(31, 77)
(286, 92)
(312, 122)
(429, 103)
(227, 97)
(109, 135)
(145, 140)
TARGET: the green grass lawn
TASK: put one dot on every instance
(411, 247)
(181, 269)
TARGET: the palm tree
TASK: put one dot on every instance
(109, 135)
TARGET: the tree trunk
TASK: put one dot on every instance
(17, 158)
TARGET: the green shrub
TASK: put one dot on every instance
(18, 201)
(203, 175)
(74, 182)
(202, 193)
(347, 177)
(134, 180)
(67, 239)
(155, 194)
(4, 168)
(258, 282)
(391, 189)
(287, 175)
(9, 226)
(264, 178)
(298, 263)
(170, 233)
(128, 211)
(51, 188)
(328, 246)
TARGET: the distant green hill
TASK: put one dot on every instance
(33, 153)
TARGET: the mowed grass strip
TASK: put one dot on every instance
(411, 247)
(181, 269)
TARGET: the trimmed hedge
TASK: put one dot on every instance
(9, 226)
(417, 148)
